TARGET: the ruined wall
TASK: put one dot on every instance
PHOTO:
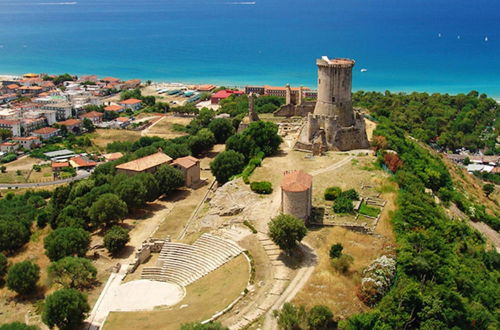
(290, 110)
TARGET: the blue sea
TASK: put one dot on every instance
(424, 45)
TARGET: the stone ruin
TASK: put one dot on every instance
(252, 114)
(295, 104)
(334, 125)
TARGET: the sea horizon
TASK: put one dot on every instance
(445, 46)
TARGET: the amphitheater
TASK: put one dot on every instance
(183, 264)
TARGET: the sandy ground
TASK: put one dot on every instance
(145, 295)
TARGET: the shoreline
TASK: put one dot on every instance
(240, 85)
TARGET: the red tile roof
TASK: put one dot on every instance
(92, 114)
(9, 122)
(45, 130)
(113, 156)
(225, 94)
(12, 86)
(110, 79)
(70, 122)
(82, 161)
(296, 181)
(27, 138)
(122, 119)
(145, 163)
(60, 164)
(8, 144)
(113, 108)
(186, 162)
(130, 101)
(205, 88)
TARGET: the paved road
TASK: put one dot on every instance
(79, 176)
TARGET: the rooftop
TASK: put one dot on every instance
(80, 161)
(45, 130)
(130, 101)
(186, 162)
(296, 181)
(113, 156)
(336, 61)
(70, 122)
(225, 93)
(57, 153)
(92, 114)
(145, 163)
(60, 164)
(9, 122)
(113, 108)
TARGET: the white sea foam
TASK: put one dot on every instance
(58, 3)
(247, 3)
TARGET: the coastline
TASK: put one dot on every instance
(240, 85)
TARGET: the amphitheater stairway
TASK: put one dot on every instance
(183, 263)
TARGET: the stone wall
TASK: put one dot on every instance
(152, 245)
(297, 204)
(290, 110)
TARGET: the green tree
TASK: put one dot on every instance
(350, 194)
(5, 133)
(13, 235)
(4, 264)
(466, 161)
(286, 231)
(265, 135)
(67, 241)
(107, 209)
(22, 277)
(331, 193)
(227, 164)
(222, 129)
(342, 263)
(336, 250)
(18, 326)
(72, 272)
(3, 169)
(115, 239)
(291, 317)
(343, 205)
(151, 184)
(202, 141)
(131, 190)
(169, 179)
(88, 125)
(488, 189)
(320, 317)
(66, 309)
(242, 144)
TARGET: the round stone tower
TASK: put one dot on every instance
(296, 194)
(334, 89)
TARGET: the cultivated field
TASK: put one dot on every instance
(102, 137)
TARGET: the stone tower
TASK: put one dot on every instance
(252, 114)
(334, 125)
(334, 89)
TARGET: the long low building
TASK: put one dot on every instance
(148, 164)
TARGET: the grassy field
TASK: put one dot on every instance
(102, 137)
(203, 298)
(163, 128)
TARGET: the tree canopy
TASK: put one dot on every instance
(67, 241)
(72, 272)
(65, 308)
(227, 164)
(22, 277)
(286, 231)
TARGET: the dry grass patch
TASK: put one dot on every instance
(328, 287)
(164, 127)
(204, 297)
(105, 136)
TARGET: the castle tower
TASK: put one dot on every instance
(334, 89)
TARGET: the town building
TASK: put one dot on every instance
(81, 162)
(73, 125)
(8, 147)
(64, 109)
(223, 94)
(27, 142)
(190, 168)
(132, 104)
(114, 108)
(57, 167)
(112, 156)
(205, 88)
(148, 164)
(13, 125)
(94, 116)
(296, 194)
(46, 133)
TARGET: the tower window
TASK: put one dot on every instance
(333, 99)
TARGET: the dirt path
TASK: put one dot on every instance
(145, 132)
(489, 232)
(332, 167)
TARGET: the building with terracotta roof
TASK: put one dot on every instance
(8, 147)
(27, 142)
(296, 194)
(110, 79)
(205, 88)
(73, 125)
(223, 94)
(94, 116)
(190, 168)
(132, 83)
(114, 108)
(133, 104)
(112, 156)
(46, 132)
(59, 166)
(81, 162)
(13, 125)
(148, 164)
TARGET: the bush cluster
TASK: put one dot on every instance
(261, 187)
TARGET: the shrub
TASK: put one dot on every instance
(342, 263)
(227, 164)
(331, 193)
(4, 264)
(18, 326)
(115, 239)
(343, 205)
(250, 226)
(13, 235)
(262, 187)
(66, 241)
(336, 250)
(65, 309)
(350, 194)
(320, 317)
(286, 230)
(22, 277)
(73, 272)
(393, 162)
(377, 280)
